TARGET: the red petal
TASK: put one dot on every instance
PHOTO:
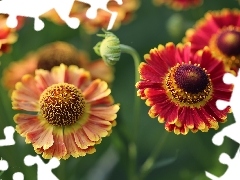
(148, 73)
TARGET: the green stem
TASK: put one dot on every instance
(132, 152)
(132, 148)
(136, 58)
(149, 163)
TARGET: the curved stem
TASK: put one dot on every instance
(136, 58)
(149, 163)
(132, 148)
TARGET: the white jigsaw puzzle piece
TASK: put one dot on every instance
(232, 172)
(35, 8)
(8, 132)
(3, 165)
(101, 4)
(231, 131)
(18, 176)
(44, 171)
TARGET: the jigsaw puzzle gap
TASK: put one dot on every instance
(18, 176)
(44, 171)
(3, 165)
(231, 131)
(63, 8)
(102, 4)
(8, 132)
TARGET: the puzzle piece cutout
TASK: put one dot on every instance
(18, 176)
(232, 172)
(101, 4)
(44, 171)
(35, 8)
(8, 132)
(231, 131)
(4, 167)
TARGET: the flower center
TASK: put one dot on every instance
(190, 78)
(62, 104)
(229, 42)
(188, 85)
(56, 53)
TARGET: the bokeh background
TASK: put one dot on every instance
(180, 157)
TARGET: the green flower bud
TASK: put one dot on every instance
(109, 49)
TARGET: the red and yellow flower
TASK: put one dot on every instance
(51, 55)
(182, 88)
(220, 30)
(179, 4)
(72, 112)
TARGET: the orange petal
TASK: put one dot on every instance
(99, 121)
(78, 77)
(58, 149)
(114, 123)
(106, 101)
(43, 79)
(90, 134)
(72, 148)
(41, 137)
(29, 84)
(96, 90)
(26, 123)
(82, 139)
(108, 113)
(26, 94)
(58, 73)
(100, 131)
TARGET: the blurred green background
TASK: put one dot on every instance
(181, 157)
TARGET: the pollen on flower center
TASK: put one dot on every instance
(191, 79)
(62, 104)
(188, 85)
(229, 42)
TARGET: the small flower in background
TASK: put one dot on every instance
(79, 9)
(51, 55)
(74, 113)
(8, 35)
(15, 71)
(182, 88)
(220, 30)
(179, 4)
